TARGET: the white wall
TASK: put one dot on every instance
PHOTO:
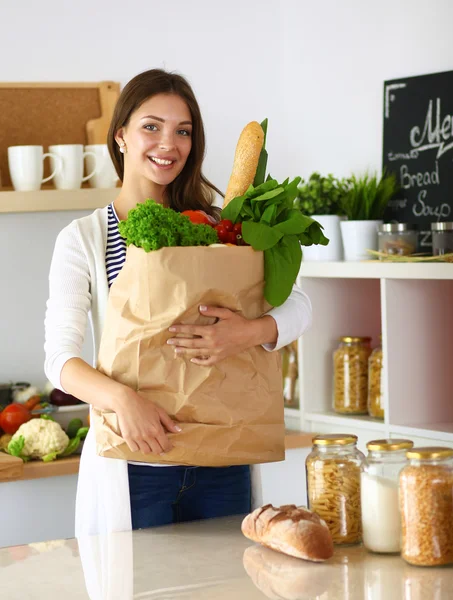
(316, 69)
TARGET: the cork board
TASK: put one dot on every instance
(53, 113)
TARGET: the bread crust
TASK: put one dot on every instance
(246, 160)
(289, 529)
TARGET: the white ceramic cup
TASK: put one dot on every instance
(70, 175)
(26, 167)
(105, 175)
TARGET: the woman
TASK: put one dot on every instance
(156, 141)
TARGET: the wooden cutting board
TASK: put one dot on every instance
(97, 129)
(11, 467)
(43, 113)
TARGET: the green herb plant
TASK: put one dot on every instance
(321, 195)
(151, 226)
(368, 196)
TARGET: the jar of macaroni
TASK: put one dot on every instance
(381, 522)
(333, 485)
(426, 503)
(350, 388)
(376, 384)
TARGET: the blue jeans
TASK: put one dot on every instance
(164, 495)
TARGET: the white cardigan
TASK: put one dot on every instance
(78, 290)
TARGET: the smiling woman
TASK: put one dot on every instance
(157, 144)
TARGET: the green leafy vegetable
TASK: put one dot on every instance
(16, 446)
(271, 223)
(151, 226)
(47, 417)
(262, 162)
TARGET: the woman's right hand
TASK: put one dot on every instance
(144, 425)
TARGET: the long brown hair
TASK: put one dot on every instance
(190, 190)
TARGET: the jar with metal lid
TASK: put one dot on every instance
(442, 238)
(400, 239)
(333, 485)
(376, 383)
(381, 521)
(426, 503)
(350, 388)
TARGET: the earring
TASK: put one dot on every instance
(123, 148)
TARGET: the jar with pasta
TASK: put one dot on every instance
(376, 384)
(426, 503)
(350, 387)
(333, 485)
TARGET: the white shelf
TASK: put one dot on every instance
(434, 431)
(356, 421)
(56, 200)
(410, 305)
(376, 270)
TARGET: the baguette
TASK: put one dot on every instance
(246, 161)
(292, 530)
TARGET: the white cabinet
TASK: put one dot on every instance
(412, 306)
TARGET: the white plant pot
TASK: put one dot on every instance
(358, 237)
(334, 250)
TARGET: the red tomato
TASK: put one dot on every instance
(227, 224)
(197, 217)
(222, 233)
(232, 239)
(237, 230)
(12, 417)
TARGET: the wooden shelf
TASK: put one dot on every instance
(376, 270)
(56, 200)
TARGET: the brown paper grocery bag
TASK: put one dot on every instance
(230, 413)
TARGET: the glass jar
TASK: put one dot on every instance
(350, 389)
(426, 503)
(442, 238)
(381, 521)
(290, 375)
(400, 239)
(376, 384)
(333, 485)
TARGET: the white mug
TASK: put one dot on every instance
(70, 175)
(26, 167)
(105, 176)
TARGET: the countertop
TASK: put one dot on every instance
(206, 560)
(13, 469)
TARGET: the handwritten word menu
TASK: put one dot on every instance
(418, 148)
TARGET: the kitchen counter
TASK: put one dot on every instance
(206, 560)
(13, 469)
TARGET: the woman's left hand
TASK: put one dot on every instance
(230, 335)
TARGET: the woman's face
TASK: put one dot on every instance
(158, 139)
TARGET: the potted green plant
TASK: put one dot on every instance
(364, 205)
(320, 198)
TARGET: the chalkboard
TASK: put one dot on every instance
(418, 148)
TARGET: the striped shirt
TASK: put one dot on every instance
(115, 253)
(115, 256)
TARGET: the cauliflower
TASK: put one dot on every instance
(41, 437)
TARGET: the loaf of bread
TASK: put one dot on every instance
(282, 577)
(246, 160)
(290, 529)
